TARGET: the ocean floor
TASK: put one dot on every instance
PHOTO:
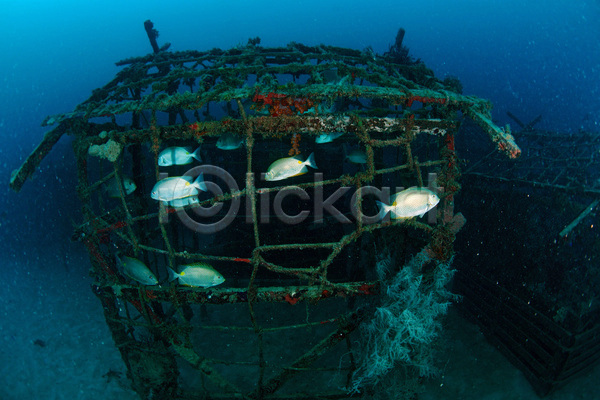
(54, 343)
(473, 369)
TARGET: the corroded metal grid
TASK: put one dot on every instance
(560, 160)
(403, 119)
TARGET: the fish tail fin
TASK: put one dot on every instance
(310, 161)
(196, 154)
(118, 261)
(172, 274)
(383, 209)
(199, 183)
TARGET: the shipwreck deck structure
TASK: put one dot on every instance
(294, 294)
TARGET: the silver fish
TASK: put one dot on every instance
(177, 187)
(112, 188)
(197, 274)
(184, 201)
(288, 167)
(328, 137)
(137, 270)
(357, 157)
(177, 156)
(412, 202)
(229, 141)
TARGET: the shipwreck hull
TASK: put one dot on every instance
(295, 292)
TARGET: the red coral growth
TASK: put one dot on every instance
(508, 145)
(366, 289)
(294, 151)
(115, 226)
(197, 130)
(424, 100)
(449, 139)
(282, 104)
(451, 155)
(151, 294)
(155, 138)
(290, 299)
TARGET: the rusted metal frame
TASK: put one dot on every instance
(249, 131)
(91, 240)
(251, 291)
(318, 92)
(274, 329)
(107, 294)
(413, 162)
(451, 174)
(406, 166)
(251, 296)
(580, 355)
(155, 147)
(307, 274)
(367, 176)
(337, 249)
(144, 310)
(115, 323)
(200, 256)
(98, 184)
(503, 139)
(299, 246)
(353, 366)
(263, 126)
(188, 354)
(347, 239)
(565, 232)
(129, 225)
(347, 324)
(196, 256)
(337, 395)
(19, 176)
(181, 73)
(100, 193)
(263, 294)
(228, 196)
(137, 297)
(202, 364)
(418, 172)
(564, 188)
(181, 57)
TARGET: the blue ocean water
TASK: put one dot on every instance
(529, 58)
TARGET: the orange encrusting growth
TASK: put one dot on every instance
(282, 104)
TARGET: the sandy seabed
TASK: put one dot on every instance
(54, 343)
